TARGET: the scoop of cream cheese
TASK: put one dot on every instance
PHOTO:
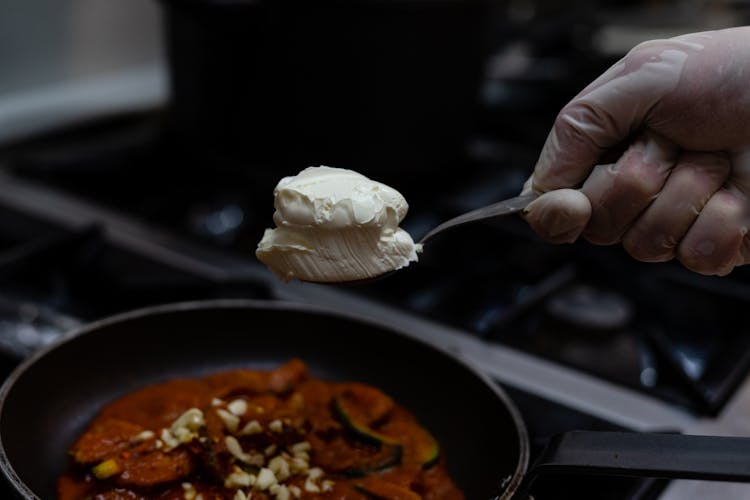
(336, 225)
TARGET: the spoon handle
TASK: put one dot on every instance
(505, 207)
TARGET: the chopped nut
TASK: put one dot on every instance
(257, 459)
(238, 407)
(192, 419)
(239, 478)
(183, 434)
(315, 473)
(143, 436)
(298, 465)
(159, 443)
(280, 467)
(266, 478)
(282, 493)
(235, 449)
(270, 450)
(217, 402)
(300, 447)
(189, 492)
(184, 429)
(169, 439)
(311, 487)
(295, 491)
(276, 425)
(327, 485)
(231, 421)
(252, 427)
(240, 495)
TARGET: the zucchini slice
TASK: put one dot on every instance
(425, 446)
(428, 450)
(344, 413)
(391, 451)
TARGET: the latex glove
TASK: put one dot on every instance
(681, 109)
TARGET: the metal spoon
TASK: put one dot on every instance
(505, 207)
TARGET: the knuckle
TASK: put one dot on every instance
(583, 121)
(709, 256)
(649, 247)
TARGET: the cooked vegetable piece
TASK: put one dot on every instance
(155, 467)
(104, 439)
(106, 469)
(428, 450)
(378, 489)
(388, 456)
(366, 404)
(276, 433)
(353, 409)
(348, 414)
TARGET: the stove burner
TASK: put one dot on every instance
(27, 326)
(590, 308)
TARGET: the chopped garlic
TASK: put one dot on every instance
(217, 402)
(295, 491)
(240, 495)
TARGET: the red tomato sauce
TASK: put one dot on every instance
(256, 435)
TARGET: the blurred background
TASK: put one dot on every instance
(140, 142)
(218, 99)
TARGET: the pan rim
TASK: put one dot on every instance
(6, 468)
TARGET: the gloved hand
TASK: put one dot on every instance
(679, 110)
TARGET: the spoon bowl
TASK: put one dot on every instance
(504, 207)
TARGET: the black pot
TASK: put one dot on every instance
(380, 86)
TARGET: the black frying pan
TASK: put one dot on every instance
(47, 401)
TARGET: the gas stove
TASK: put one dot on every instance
(582, 337)
(165, 205)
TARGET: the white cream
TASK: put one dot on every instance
(336, 225)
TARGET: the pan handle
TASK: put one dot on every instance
(672, 456)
